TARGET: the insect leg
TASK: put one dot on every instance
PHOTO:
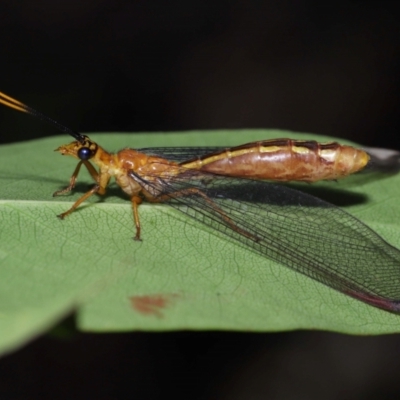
(94, 190)
(136, 201)
(99, 188)
(94, 174)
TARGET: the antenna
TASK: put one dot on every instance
(17, 105)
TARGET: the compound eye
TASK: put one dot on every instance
(84, 153)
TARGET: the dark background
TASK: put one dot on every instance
(110, 65)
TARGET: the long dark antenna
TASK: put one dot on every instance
(17, 105)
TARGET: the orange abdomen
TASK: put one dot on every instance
(284, 160)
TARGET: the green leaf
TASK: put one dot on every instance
(182, 276)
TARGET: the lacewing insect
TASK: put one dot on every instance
(224, 189)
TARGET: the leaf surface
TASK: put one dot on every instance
(181, 276)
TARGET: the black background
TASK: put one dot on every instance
(110, 65)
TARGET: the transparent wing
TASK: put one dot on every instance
(179, 154)
(298, 230)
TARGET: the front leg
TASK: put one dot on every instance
(99, 188)
(94, 174)
(95, 189)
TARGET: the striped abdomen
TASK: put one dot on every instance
(284, 160)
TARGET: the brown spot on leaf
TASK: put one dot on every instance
(152, 304)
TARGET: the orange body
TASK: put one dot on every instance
(152, 177)
(284, 160)
(277, 159)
